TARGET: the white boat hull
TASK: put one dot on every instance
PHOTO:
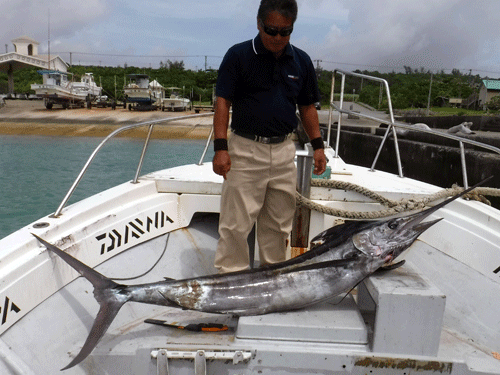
(56, 89)
(175, 104)
(175, 210)
(57, 92)
(139, 95)
(436, 314)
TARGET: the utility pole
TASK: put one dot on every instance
(429, 98)
(380, 93)
(48, 60)
(206, 63)
(318, 69)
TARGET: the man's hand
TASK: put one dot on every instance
(319, 161)
(222, 163)
(310, 122)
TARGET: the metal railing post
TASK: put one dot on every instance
(112, 135)
(464, 167)
(206, 146)
(330, 114)
(379, 151)
(337, 141)
(141, 160)
(392, 125)
(391, 114)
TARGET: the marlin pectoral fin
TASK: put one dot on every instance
(338, 231)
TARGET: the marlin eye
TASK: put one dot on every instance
(392, 225)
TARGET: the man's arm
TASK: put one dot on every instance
(222, 162)
(310, 121)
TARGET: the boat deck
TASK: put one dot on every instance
(438, 313)
(202, 180)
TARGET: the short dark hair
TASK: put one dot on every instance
(287, 8)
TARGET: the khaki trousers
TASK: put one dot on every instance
(260, 188)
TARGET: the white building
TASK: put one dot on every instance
(24, 45)
(26, 55)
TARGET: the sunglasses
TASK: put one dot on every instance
(273, 31)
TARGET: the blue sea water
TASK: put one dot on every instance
(37, 171)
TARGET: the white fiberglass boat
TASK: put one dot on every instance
(436, 314)
(138, 92)
(175, 102)
(57, 88)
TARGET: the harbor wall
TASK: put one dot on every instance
(437, 164)
(483, 123)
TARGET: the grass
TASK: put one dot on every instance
(444, 111)
(449, 111)
(197, 102)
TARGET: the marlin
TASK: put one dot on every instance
(340, 258)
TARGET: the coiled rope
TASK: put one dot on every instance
(393, 207)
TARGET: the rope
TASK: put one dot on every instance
(393, 207)
(340, 185)
(149, 270)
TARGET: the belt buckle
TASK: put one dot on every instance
(265, 140)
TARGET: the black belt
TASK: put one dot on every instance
(265, 140)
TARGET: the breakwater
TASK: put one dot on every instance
(480, 123)
(424, 157)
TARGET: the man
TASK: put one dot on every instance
(264, 80)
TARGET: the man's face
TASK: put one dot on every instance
(275, 22)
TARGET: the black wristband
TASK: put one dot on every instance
(317, 143)
(220, 144)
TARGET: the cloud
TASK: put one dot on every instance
(332, 10)
(441, 34)
(31, 17)
(195, 9)
(437, 34)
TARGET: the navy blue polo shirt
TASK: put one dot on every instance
(263, 90)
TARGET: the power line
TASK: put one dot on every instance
(399, 67)
(122, 55)
(352, 64)
(221, 57)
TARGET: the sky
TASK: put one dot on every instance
(383, 35)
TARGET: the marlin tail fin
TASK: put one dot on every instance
(108, 293)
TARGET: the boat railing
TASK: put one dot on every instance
(391, 125)
(151, 124)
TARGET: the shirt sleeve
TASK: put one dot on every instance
(309, 93)
(228, 76)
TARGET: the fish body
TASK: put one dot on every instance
(340, 258)
(257, 293)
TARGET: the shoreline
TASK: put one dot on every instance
(171, 131)
(25, 118)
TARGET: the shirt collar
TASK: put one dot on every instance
(259, 49)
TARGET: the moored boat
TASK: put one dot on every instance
(57, 88)
(435, 314)
(138, 92)
(174, 102)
